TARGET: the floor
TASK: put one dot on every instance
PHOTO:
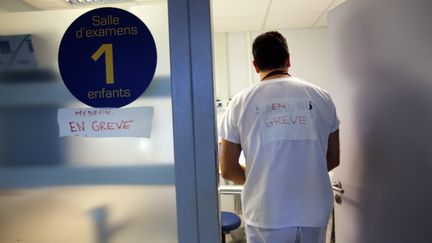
(229, 239)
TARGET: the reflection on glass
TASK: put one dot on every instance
(88, 190)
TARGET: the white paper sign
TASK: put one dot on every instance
(286, 119)
(109, 122)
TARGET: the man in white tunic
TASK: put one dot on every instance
(289, 133)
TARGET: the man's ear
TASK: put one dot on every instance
(257, 70)
(287, 61)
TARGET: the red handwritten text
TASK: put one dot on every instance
(93, 112)
(105, 126)
(76, 126)
(99, 126)
(286, 120)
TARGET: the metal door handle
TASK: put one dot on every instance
(338, 187)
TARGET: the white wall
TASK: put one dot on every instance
(309, 55)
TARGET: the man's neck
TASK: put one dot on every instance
(274, 73)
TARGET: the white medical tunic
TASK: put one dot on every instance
(283, 127)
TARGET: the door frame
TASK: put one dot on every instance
(195, 150)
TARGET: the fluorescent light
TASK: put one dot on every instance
(93, 1)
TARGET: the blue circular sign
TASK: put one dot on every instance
(107, 57)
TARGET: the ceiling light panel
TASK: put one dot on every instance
(288, 21)
(279, 7)
(239, 8)
(78, 2)
(238, 24)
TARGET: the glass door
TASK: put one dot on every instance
(99, 190)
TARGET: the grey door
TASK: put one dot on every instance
(382, 88)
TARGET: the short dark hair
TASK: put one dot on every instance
(270, 50)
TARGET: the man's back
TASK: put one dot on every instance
(283, 126)
(289, 132)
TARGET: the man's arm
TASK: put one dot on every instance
(229, 162)
(333, 158)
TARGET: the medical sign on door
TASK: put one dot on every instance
(107, 57)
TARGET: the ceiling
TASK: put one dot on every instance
(247, 15)
(228, 15)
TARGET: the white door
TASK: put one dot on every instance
(382, 89)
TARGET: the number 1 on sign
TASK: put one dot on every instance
(109, 66)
